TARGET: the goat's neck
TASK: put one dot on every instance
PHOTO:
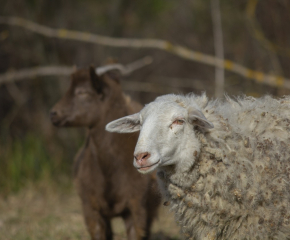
(116, 110)
(105, 145)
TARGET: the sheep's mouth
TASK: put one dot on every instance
(146, 168)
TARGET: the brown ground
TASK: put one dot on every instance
(46, 212)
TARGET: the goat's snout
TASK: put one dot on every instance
(53, 114)
(55, 118)
(141, 158)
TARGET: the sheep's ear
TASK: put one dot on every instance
(196, 117)
(127, 124)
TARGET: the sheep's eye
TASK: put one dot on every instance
(178, 122)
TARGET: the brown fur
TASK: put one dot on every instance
(106, 180)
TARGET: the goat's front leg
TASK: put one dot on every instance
(98, 226)
(136, 224)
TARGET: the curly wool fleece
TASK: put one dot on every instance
(238, 187)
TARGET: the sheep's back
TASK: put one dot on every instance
(239, 187)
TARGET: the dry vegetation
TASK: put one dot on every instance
(46, 211)
(32, 150)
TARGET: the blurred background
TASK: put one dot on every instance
(36, 158)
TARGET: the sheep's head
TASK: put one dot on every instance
(167, 135)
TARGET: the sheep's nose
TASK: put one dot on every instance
(142, 157)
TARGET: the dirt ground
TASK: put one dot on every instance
(50, 213)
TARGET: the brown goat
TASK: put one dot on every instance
(107, 182)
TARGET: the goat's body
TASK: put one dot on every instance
(109, 185)
(107, 182)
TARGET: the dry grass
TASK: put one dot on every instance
(43, 211)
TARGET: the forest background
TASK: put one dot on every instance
(256, 35)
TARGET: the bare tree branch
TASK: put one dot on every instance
(125, 70)
(218, 47)
(12, 76)
(258, 33)
(260, 77)
(272, 50)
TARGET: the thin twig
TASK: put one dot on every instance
(258, 34)
(12, 76)
(125, 70)
(218, 47)
(159, 88)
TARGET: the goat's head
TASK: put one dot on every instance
(167, 135)
(83, 103)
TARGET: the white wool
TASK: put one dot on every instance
(238, 187)
(228, 182)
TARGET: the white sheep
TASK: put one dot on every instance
(223, 165)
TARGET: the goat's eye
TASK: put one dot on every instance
(82, 93)
(178, 122)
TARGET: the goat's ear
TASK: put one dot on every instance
(196, 117)
(126, 124)
(115, 75)
(97, 81)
